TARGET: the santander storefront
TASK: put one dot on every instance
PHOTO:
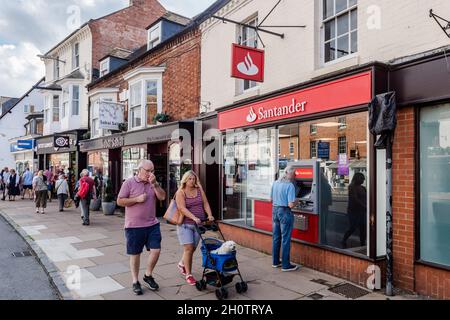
(322, 129)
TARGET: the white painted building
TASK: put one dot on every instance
(12, 124)
(368, 30)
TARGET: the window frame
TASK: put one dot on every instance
(417, 189)
(65, 103)
(104, 71)
(340, 139)
(56, 108)
(76, 56)
(56, 68)
(153, 42)
(142, 83)
(73, 100)
(247, 85)
(335, 17)
(311, 144)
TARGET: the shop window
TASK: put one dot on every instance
(435, 184)
(130, 159)
(248, 177)
(152, 100)
(249, 38)
(343, 201)
(75, 100)
(340, 25)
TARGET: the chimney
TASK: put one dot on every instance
(136, 3)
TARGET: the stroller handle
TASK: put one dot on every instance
(212, 226)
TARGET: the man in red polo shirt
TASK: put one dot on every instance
(138, 196)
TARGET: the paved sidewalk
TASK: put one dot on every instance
(98, 250)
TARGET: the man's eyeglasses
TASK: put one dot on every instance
(149, 171)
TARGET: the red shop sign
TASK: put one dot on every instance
(248, 63)
(304, 173)
(346, 92)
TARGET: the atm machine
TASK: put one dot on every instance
(306, 212)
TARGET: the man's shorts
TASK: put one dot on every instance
(138, 238)
(25, 187)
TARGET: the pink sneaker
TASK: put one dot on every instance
(182, 269)
(190, 280)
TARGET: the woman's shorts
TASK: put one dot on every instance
(187, 234)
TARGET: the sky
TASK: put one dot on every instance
(32, 27)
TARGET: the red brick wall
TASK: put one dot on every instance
(339, 265)
(403, 200)
(433, 282)
(124, 29)
(181, 79)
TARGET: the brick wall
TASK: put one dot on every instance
(403, 200)
(181, 79)
(433, 282)
(124, 29)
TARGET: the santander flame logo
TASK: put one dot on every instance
(251, 116)
(247, 67)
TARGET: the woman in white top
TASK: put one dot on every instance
(62, 190)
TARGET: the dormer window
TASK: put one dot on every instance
(154, 36)
(104, 67)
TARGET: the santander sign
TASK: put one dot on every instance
(264, 113)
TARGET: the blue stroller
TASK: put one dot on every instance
(219, 269)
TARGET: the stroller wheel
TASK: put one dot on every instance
(244, 286)
(199, 286)
(239, 288)
(221, 294)
(203, 283)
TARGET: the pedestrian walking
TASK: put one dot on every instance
(283, 200)
(5, 179)
(85, 193)
(13, 185)
(62, 191)
(49, 176)
(142, 229)
(193, 204)
(40, 191)
(27, 179)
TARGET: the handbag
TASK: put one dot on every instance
(68, 203)
(173, 215)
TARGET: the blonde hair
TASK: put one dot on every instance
(85, 172)
(40, 173)
(186, 177)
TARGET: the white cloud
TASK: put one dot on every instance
(28, 28)
(20, 68)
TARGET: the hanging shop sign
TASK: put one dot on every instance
(247, 63)
(110, 115)
(61, 142)
(350, 91)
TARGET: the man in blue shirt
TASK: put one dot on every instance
(283, 200)
(27, 179)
